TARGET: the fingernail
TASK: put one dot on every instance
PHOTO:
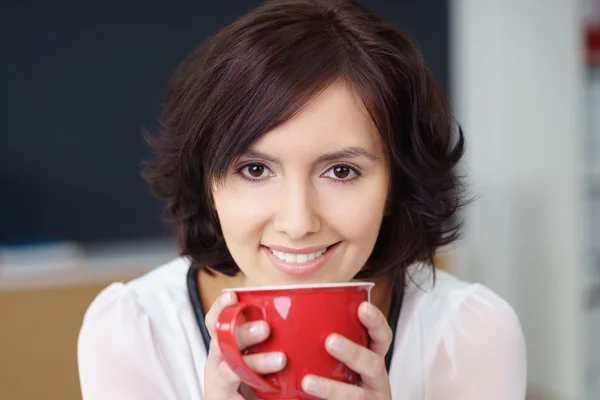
(275, 360)
(311, 384)
(367, 310)
(258, 329)
(337, 343)
(227, 298)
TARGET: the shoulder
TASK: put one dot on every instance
(460, 326)
(445, 297)
(162, 287)
(134, 323)
(440, 311)
(136, 311)
(140, 339)
(474, 314)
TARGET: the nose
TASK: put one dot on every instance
(296, 215)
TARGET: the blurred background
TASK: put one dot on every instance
(80, 82)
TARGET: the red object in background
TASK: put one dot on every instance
(592, 35)
(592, 39)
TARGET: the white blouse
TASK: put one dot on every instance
(454, 340)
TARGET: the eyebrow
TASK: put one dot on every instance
(345, 153)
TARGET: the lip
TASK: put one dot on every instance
(300, 269)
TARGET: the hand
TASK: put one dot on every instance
(369, 363)
(220, 382)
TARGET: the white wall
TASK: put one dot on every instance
(517, 86)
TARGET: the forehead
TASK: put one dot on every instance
(336, 117)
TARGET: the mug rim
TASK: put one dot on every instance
(301, 286)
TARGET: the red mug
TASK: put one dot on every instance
(300, 317)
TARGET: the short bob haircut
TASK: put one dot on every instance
(260, 71)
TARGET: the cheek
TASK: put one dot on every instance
(357, 214)
(242, 213)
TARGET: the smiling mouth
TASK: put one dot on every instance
(297, 263)
(298, 258)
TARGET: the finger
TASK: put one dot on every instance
(210, 320)
(223, 380)
(334, 390)
(214, 356)
(251, 333)
(266, 363)
(228, 381)
(367, 363)
(261, 363)
(379, 330)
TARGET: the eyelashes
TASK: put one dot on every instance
(256, 172)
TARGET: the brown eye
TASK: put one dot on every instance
(256, 170)
(341, 172)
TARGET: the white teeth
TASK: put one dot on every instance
(297, 258)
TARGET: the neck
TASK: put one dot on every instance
(381, 294)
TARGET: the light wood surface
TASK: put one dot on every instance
(38, 340)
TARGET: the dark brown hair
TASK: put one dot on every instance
(259, 72)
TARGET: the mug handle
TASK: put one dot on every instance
(226, 326)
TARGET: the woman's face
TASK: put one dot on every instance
(305, 203)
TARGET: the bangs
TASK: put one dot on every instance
(267, 86)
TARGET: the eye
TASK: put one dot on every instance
(255, 171)
(341, 172)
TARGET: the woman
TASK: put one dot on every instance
(307, 129)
